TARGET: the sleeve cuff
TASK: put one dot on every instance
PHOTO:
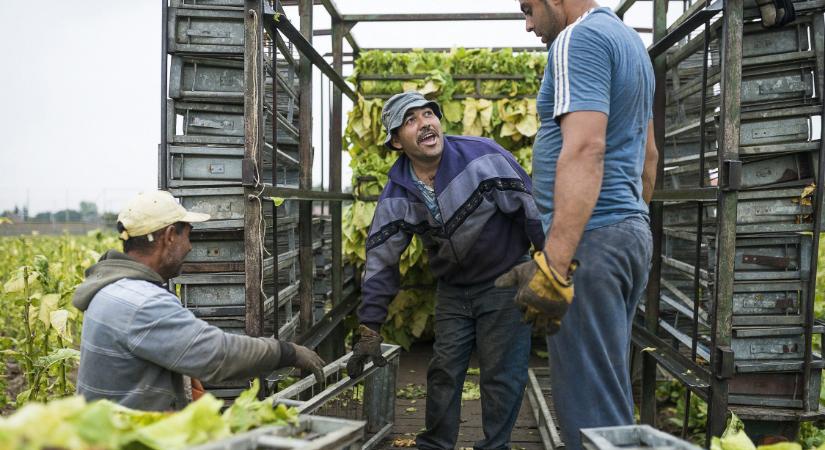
(287, 354)
(373, 326)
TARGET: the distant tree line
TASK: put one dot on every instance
(87, 212)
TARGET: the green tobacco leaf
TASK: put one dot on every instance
(199, 422)
(48, 304)
(452, 111)
(59, 355)
(59, 320)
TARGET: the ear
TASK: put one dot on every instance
(169, 234)
(395, 142)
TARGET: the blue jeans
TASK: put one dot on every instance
(484, 318)
(589, 356)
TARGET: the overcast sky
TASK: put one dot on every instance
(80, 87)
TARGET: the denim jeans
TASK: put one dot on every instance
(484, 318)
(589, 356)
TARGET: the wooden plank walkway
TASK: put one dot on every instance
(409, 413)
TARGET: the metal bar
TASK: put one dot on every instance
(253, 143)
(700, 209)
(305, 195)
(303, 42)
(702, 194)
(305, 156)
(335, 176)
(622, 7)
(694, 376)
(274, 181)
(279, 41)
(818, 45)
(648, 406)
(430, 17)
(731, 69)
(685, 28)
(320, 330)
(163, 181)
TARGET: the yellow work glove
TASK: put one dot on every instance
(542, 295)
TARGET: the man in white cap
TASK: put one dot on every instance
(138, 340)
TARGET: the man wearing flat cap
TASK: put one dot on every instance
(471, 204)
(138, 340)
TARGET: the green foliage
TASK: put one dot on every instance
(670, 397)
(71, 423)
(40, 328)
(512, 121)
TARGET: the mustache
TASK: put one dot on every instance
(424, 132)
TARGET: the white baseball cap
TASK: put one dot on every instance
(151, 211)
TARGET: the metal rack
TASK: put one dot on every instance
(737, 212)
(237, 138)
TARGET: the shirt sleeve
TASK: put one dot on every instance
(387, 239)
(582, 62)
(164, 332)
(525, 205)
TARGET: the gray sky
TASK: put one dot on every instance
(80, 92)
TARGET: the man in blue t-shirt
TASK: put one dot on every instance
(594, 165)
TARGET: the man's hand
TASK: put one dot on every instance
(306, 359)
(543, 295)
(367, 347)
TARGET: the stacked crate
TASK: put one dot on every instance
(204, 155)
(781, 109)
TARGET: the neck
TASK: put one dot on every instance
(150, 260)
(425, 170)
(577, 9)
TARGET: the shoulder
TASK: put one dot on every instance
(138, 294)
(471, 147)
(594, 29)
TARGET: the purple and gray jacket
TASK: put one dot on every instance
(490, 220)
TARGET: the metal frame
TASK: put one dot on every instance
(673, 324)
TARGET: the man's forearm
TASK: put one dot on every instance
(579, 174)
(651, 164)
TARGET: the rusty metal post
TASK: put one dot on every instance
(253, 143)
(818, 42)
(305, 157)
(647, 409)
(728, 156)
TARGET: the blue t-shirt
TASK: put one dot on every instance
(597, 64)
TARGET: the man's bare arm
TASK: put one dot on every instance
(579, 173)
(651, 163)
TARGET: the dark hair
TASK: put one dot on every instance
(141, 244)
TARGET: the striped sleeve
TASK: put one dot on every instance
(582, 67)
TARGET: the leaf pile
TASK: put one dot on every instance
(73, 424)
(503, 109)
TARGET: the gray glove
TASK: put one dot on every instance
(306, 359)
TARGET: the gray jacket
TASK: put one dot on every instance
(138, 339)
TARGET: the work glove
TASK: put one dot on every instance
(542, 295)
(306, 359)
(776, 13)
(368, 347)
